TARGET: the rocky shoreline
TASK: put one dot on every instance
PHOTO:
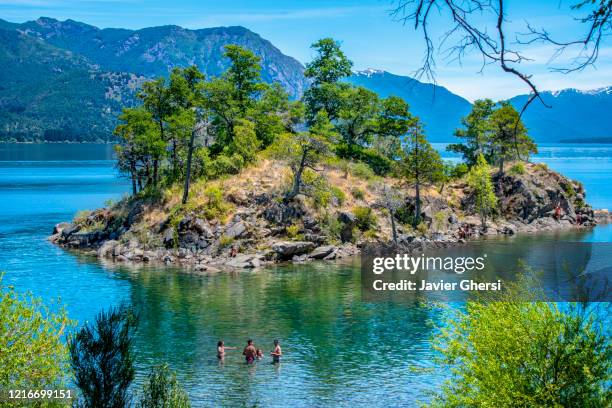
(264, 230)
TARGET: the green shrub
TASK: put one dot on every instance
(81, 216)
(358, 193)
(338, 194)
(365, 218)
(215, 206)
(517, 169)
(293, 231)
(547, 355)
(162, 390)
(439, 220)
(422, 228)
(361, 170)
(331, 227)
(33, 353)
(370, 234)
(569, 190)
(225, 241)
(223, 165)
(459, 170)
(102, 358)
(541, 166)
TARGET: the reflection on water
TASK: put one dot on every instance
(338, 349)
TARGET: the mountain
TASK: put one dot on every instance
(52, 94)
(573, 114)
(50, 67)
(439, 109)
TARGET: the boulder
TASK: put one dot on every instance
(244, 261)
(202, 228)
(348, 220)
(69, 230)
(168, 238)
(60, 227)
(288, 249)
(107, 248)
(236, 230)
(321, 252)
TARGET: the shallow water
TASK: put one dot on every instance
(338, 349)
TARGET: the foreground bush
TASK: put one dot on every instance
(32, 353)
(521, 352)
(162, 390)
(102, 359)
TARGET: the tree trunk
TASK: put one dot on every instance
(417, 206)
(134, 187)
(393, 229)
(297, 178)
(155, 171)
(188, 169)
(501, 166)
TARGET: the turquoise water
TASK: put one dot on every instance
(338, 349)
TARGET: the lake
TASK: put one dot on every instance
(339, 350)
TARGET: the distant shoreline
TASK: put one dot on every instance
(591, 140)
(44, 142)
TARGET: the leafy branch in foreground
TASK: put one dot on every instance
(515, 350)
(32, 353)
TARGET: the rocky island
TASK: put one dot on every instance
(257, 227)
(229, 172)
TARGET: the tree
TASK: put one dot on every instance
(391, 200)
(326, 69)
(304, 150)
(356, 121)
(162, 390)
(392, 123)
(509, 139)
(186, 89)
(156, 100)
(33, 355)
(479, 180)
(514, 349)
(330, 65)
(102, 360)
(244, 75)
(421, 163)
(477, 132)
(140, 147)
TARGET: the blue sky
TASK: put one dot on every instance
(368, 34)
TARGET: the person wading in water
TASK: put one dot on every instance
(276, 353)
(249, 352)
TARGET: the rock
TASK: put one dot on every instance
(315, 238)
(107, 248)
(310, 223)
(202, 228)
(82, 239)
(60, 227)
(287, 249)
(168, 238)
(236, 230)
(69, 230)
(135, 214)
(349, 220)
(452, 219)
(244, 261)
(321, 252)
